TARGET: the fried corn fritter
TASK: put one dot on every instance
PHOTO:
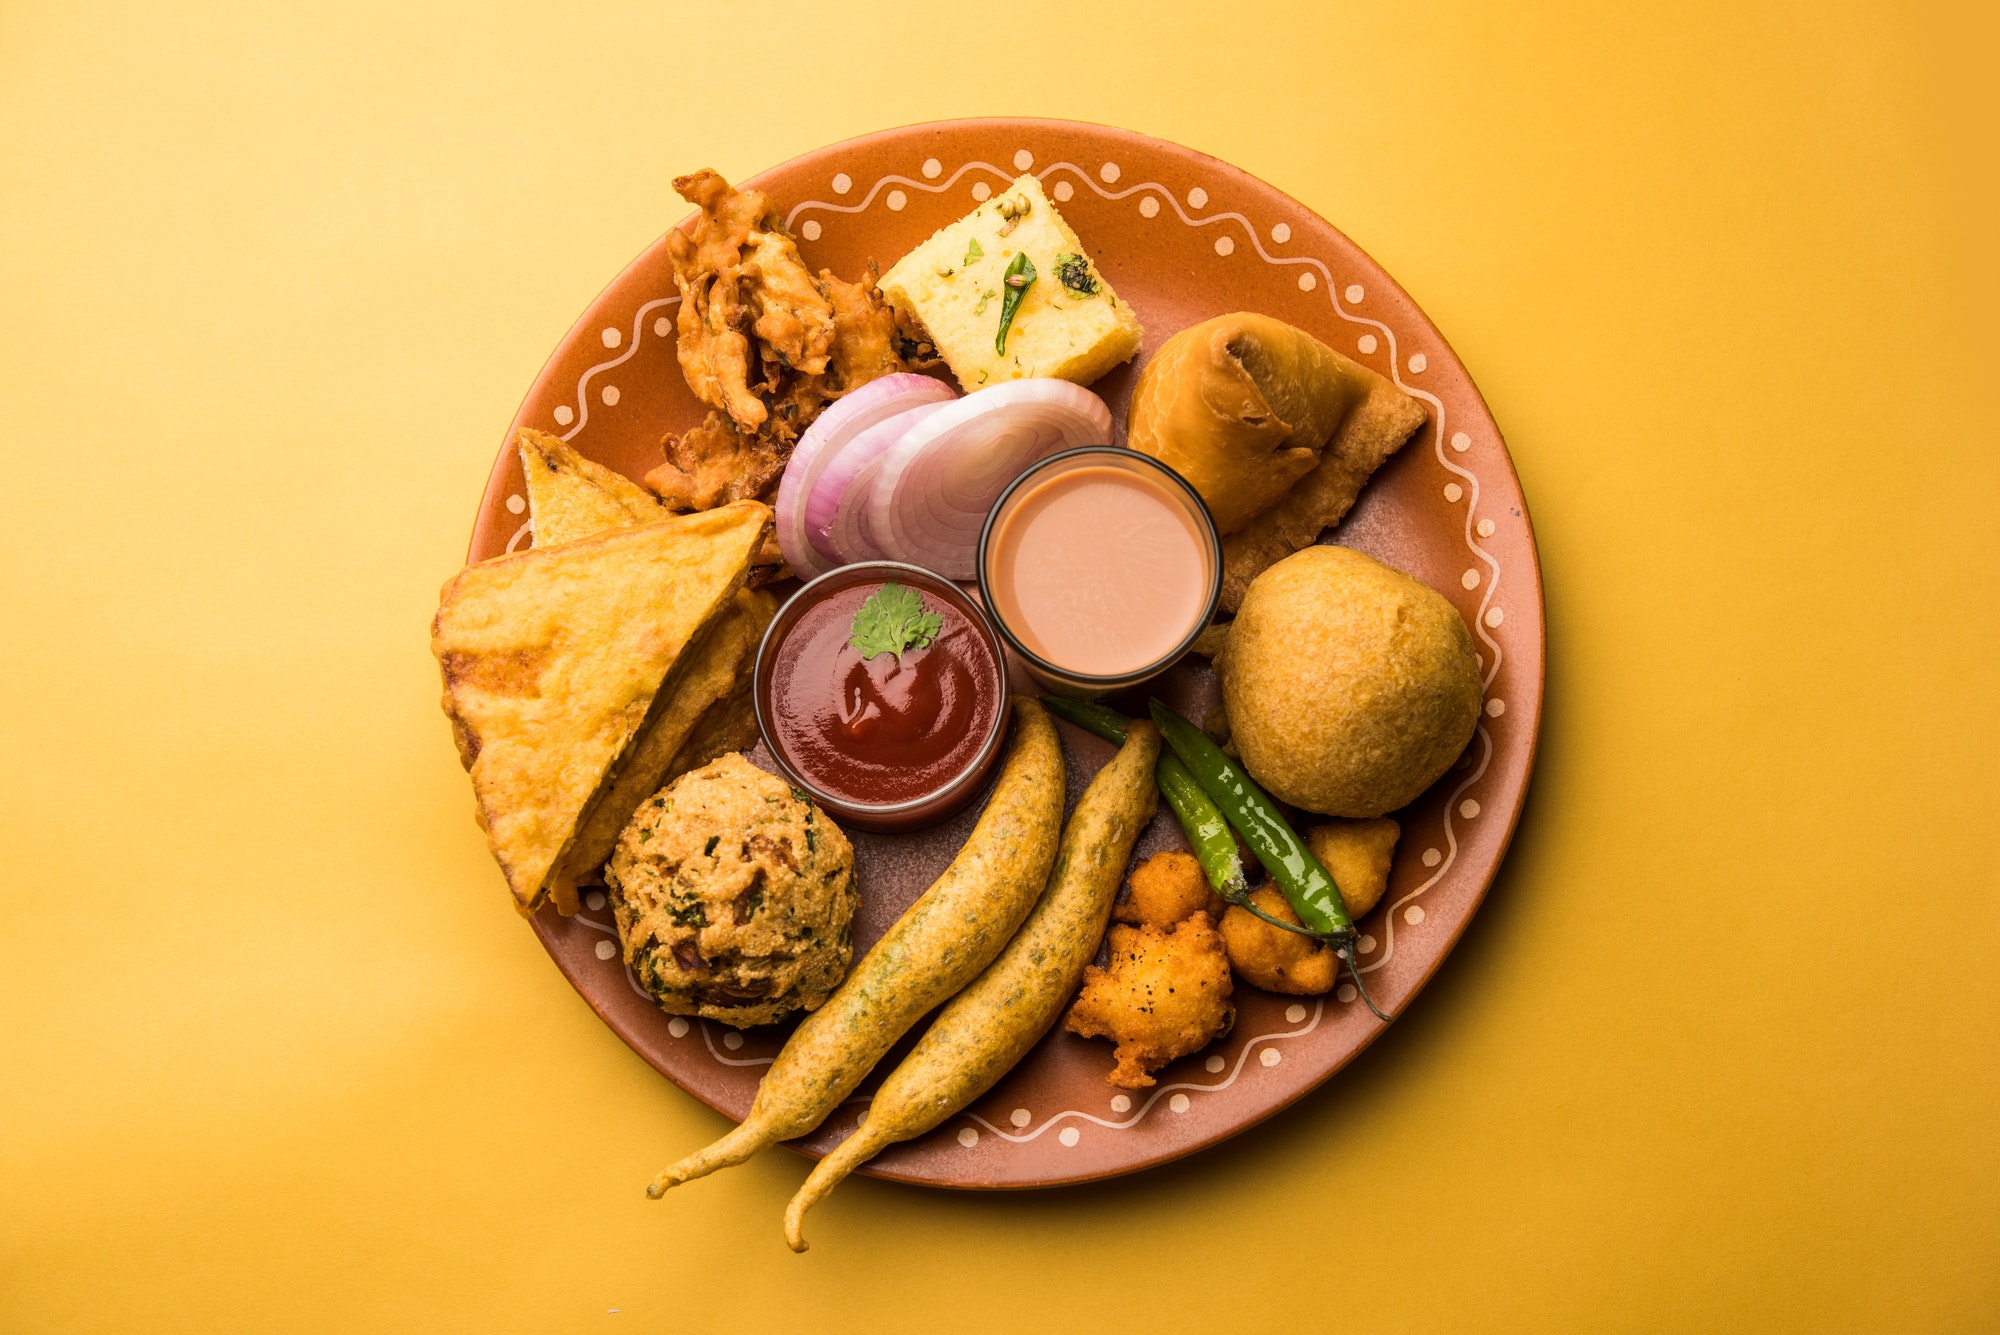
(1165, 889)
(1165, 995)
(1358, 854)
(1273, 958)
(766, 345)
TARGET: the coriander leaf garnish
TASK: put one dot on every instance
(893, 621)
(973, 251)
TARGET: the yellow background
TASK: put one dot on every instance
(1719, 1053)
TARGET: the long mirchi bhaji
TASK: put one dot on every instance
(939, 944)
(1006, 1010)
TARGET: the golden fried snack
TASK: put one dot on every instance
(554, 660)
(989, 1026)
(1357, 854)
(1351, 687)
(1165, 995)
(571, 497)
(1167, 888)
(1273, 958)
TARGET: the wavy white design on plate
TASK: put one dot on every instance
(1160, 1092)
(631, 350)
(1397, 363)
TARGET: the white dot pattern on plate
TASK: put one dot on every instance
(515, 505)
(1419, 362)
(1295, 1013)
(1270, 1056)
(1452, 491)
(1496, 707)
(1178, 1103)
(564, 414)
(1460, 441)
(594, 900)
(1121, 1103)
(810, 228)
(897, 199)
(1281, 233)
(981, 191)
(842, 183)
(1069, 1135)
(1224, 245)
(1470, 579)
(1432, 857)
(1485, 528)
(1308, 281)
(1149, 207)
(1064, 190)
(678, 1026)
(1345, 993)
(605, 950)
(662, 327)
(1354, 293)
(1214, 1063)
(612, 336)
(610, 396)
(968, 1137)
(1366, 945)
(733, 1040)
(933, 168)
(861, 1117)
(1413, 914)
(1023, 160)
(1468, 809)
(1366, 343)
(1108, 173)
(1494, 616)
(1020, 1117)
(1197, 198)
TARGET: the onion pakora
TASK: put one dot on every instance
(1165, 995)
(1165, 889)
(766, 345)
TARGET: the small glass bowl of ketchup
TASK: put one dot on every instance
(888, 741)
(1100, 565)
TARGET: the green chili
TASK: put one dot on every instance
(1207, 832)
(1306, 885)
(1094, 719)
(1019, 277)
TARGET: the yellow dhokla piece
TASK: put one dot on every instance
(1070, 325)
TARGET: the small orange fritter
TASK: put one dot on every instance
(1165, 995)
(1357, 853)
(1273, 958)
(1165, 889)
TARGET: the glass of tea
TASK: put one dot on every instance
(1100, 566)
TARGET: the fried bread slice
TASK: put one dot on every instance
(714, 669)
(556, 658)
(570, 497)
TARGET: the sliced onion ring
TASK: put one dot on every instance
(929, 496)
(844, 419)
(836, 515)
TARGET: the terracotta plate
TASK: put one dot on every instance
(1181, 237)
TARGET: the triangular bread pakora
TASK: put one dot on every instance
(711, 674)
(555, 659)
(569, 497)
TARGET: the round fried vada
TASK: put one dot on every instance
(1350, 686)
(734, 896)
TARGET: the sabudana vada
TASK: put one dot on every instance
(1350, 686)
